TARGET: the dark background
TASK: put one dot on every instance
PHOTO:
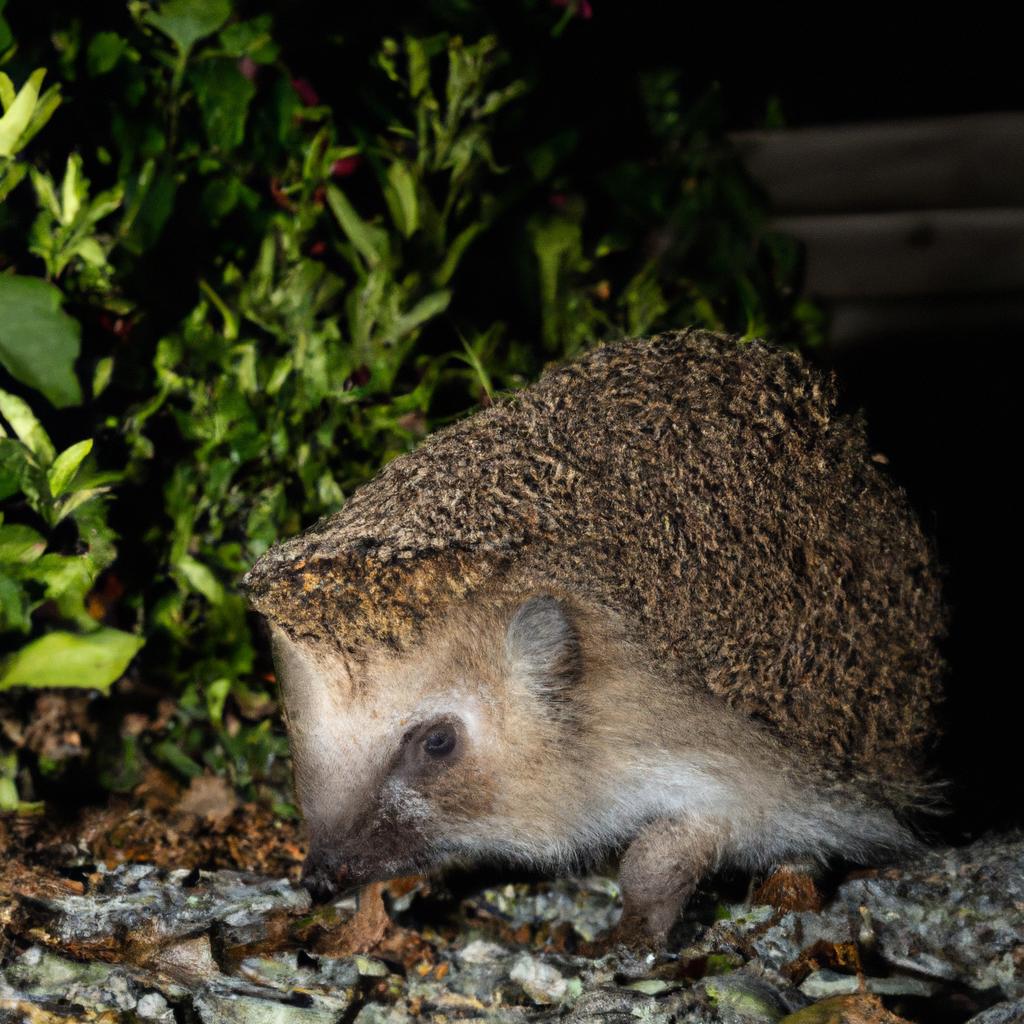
(941, 405)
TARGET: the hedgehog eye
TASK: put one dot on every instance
(439, 741)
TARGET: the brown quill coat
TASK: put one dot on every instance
(707, 492)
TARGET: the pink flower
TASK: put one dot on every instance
(358, 377)
(306, 92)
(581, 8)
(345, 166)
(248, 68)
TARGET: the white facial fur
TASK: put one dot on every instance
(346, 729)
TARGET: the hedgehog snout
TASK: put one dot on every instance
(326, 877)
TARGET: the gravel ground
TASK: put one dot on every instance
(940, 940)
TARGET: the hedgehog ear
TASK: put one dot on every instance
(542, 644)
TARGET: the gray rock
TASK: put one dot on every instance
(1004, 1013)
(231, 1008)
(481, 952)
(156, 906)
(590, 905)
(616, 1006)
(751, 995)
(822, 984)
(542, 982)
(783, 942)
(153, 1006)
(44, 977)
(957, 914)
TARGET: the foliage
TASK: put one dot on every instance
(51, 489)
(266, 295)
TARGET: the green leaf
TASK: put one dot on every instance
(29, 430)
(400, 194)
(220, 196)
(101, 375)
(73, 189)
(91, 252)
(7, 91)
(105, 50)
(12, 460)
(14, 605)
(11, 175)
(251, 39)
(19, 472)
(224, 95)
(202, 579)
(66, 578)
(230, 320)
(74, 501)
(177, 759)
(46, 194)
(39, 343)
(44, 108)
(371, 241)
(9, 799)
(19, 113)
(426, 309)
(456, 249)
(216, 695)
(472, 357)
(104, 204)
(65, 466)
(20, 544)
(151, 208)
(90, 661)
(419, 66)
(188, 21)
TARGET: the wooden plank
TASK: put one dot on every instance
(932, 252)
(935, 163)
(852, 321)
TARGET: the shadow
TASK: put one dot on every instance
(941, 408)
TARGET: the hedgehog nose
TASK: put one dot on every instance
(318, 883)
(325, 878)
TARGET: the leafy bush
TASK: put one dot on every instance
(276, 294)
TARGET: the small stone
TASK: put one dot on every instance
(190, 959)
(616, 1004)
(824, 983)
(540, 981)
(901, 985)
(1003, 1013)
(750, 996)
(653, 986)
(370, 968)
(480, 951)
(374, 1013)
(230, 1008)
(153, 1006)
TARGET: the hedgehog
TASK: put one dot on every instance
(661, 605)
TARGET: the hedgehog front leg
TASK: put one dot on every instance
(659, 873)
